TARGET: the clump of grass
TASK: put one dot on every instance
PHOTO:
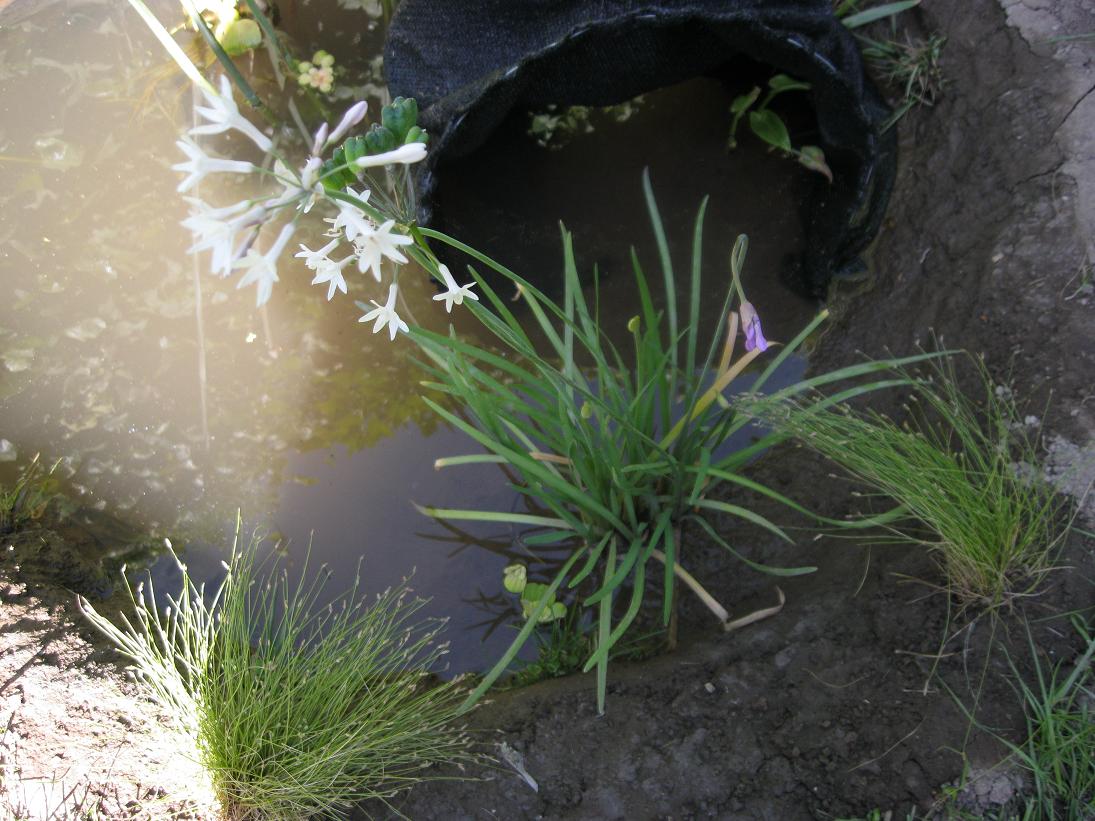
(965, 475)
(1059, 750)
(912, 66)
(27, 499)
(295, 709)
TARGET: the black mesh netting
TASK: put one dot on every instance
(469, 64)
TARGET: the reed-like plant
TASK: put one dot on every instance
(295, 709)
(621, 451)
(965, 471)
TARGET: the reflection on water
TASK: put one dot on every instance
(508, 197)
(304, 419)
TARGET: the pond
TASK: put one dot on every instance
(172, 401)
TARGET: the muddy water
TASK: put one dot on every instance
(172, 401)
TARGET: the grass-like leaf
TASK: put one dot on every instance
(296, 709)
(965, 473)
(614, 447)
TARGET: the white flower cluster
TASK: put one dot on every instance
(230, 233)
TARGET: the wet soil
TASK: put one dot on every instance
(852, 698)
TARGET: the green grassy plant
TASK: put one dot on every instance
(295, 709)
(912, 66)
(27, 499)
(619, 453)
(1059, 750)
(966, 475)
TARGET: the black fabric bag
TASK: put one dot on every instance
(470, 63)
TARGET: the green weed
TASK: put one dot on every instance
(561, 649)
(911, 66)
(1059, 750)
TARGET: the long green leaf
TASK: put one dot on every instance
(874, 521)
(743, 513)
(633, 553)
(878, 12)
(591, 562)
(469, 459)
(694, 292)
(638, 584)
(763, 568)
(604, 626)
(489, 516)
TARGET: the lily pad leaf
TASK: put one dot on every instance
(769, 127)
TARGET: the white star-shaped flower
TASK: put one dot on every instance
(313, 259)
(456, 294)
(385, 315)
(262, 268)
(377, 243)
(199, 164)
(330, 272)
(301, 189)
(213, 232)
(223, 114)
(352, 219)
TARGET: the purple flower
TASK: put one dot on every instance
(750, 323)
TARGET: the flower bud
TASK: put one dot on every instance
(320, 139)
(354, 114)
